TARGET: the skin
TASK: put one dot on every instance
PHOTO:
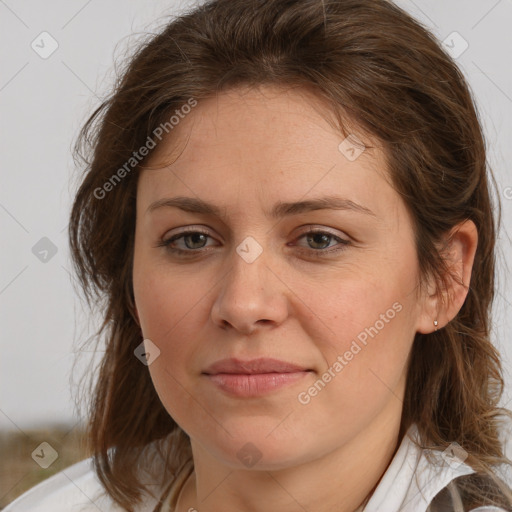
(245, 150)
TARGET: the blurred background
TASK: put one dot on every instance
(57, 61)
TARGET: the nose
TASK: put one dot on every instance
(250, 296)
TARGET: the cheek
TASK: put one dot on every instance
(168, 308)
(164, 299)
(361, 309)
(364, 328)
(365, 364)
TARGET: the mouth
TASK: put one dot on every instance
(255, 377)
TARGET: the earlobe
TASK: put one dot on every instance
(441, 306)
(431, 304)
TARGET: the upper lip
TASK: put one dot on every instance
(260, 365)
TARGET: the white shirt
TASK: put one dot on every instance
(408, 485)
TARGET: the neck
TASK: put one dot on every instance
(342, 480)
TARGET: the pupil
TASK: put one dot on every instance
(194, 238)
(314, 237)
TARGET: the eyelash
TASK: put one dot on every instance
(311, 231)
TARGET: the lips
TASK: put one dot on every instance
(254, 366)
(254, 378)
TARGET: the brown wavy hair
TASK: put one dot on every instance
(372, 63)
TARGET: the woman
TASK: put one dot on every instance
(287, 214)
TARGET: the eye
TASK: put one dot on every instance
(319, 242)
(192, 241)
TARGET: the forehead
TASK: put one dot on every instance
(264, 145)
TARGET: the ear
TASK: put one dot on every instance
(458, 251)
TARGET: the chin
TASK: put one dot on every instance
(261, 444)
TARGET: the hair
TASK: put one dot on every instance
(371, 63)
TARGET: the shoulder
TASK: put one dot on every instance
(416, 476)
(78, 488)
(75, 489)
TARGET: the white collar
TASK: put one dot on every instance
(411, 482)
(408, 485)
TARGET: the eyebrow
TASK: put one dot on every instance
(279, 210)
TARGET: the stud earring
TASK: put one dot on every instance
(435, 324)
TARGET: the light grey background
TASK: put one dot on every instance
(44, 101)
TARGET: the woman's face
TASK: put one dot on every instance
(338, 307)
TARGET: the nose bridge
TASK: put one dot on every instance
(249, 292)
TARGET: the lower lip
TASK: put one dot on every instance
(256, 384)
